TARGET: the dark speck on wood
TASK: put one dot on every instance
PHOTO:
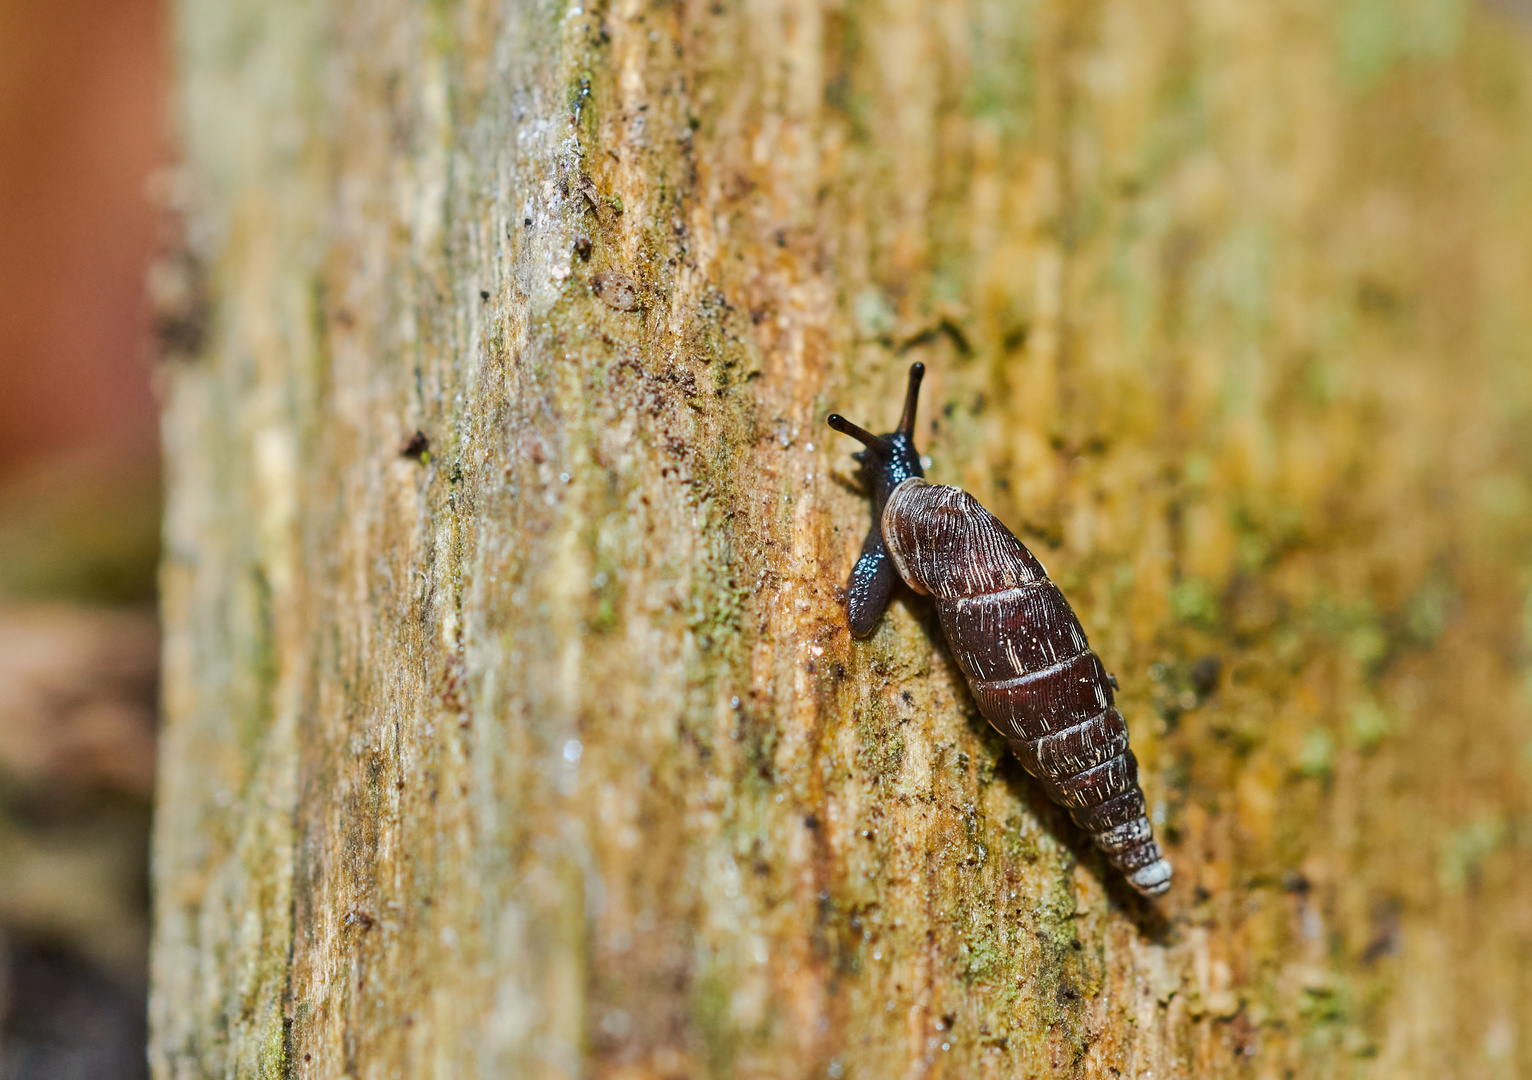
(418, 448)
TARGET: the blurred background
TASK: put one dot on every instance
(87, 234)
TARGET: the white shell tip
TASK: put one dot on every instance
(1152, 880)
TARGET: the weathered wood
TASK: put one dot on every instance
(544, 750)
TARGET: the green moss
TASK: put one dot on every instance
(1425, 613)
(710, 1012)
(1264, 533)
(1462, 855)
(880, 751)
(1001, 88)
(1369, 725)
(1324, 1007)
(271, 1062)
(1357, 626)
(984, 953)
(1316, 757)
(875, 315)
(1374, 36)
(606, 597)
(1234, 282)
(1194, 601)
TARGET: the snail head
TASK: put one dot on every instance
(889, 459)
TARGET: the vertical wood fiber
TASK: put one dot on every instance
(546, 752)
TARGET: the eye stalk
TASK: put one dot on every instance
(911, 400)
(891, 458)
(883, 446)
(876, 443)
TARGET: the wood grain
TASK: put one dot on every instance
(548, 753)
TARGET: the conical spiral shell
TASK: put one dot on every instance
(1029, 666)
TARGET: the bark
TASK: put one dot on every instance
(535, 744)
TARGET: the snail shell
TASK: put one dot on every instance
(1028, 663)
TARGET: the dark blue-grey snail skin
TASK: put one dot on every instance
(1013, 635)
(889, 461)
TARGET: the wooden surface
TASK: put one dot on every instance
(544, 751)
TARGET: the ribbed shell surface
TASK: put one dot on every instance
(1028, 664)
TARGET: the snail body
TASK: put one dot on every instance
(1015, 638)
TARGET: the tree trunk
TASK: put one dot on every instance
(513, 726)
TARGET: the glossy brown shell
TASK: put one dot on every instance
(1029, 666)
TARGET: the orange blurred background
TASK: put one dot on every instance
(83, 130)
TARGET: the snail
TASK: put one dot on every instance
(1015, 637)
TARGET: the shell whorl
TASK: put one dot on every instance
(1029, 666)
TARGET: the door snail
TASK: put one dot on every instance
(1014, 636)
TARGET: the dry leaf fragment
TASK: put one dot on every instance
(587, 187)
